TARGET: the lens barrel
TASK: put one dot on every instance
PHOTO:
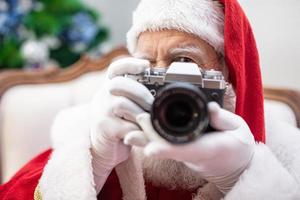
(179, 112)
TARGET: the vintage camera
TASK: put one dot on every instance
(179, 112)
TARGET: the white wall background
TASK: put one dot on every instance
(276, 24)
(116, 14)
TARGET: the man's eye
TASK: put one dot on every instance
(183, 59)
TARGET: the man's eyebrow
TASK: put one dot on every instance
(186, 49)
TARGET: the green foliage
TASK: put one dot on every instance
(10, 56)
(60, 55)
(62, 7)
(52, 18)
(42, 23)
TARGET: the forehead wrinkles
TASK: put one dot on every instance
(164, 49)
(190, 48)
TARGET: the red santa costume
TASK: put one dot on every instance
(65, 171)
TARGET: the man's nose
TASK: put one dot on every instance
(162, 64)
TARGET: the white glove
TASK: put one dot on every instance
(220, 157)
(113, 112)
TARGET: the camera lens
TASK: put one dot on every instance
(179, 112)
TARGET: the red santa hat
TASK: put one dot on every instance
(224, 26)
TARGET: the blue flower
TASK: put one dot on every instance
(10, 18)
(82, 30)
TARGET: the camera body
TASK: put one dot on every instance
(179, 112)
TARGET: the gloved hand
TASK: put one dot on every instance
(219, 157)
(113, 112)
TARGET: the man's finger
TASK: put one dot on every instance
(124, 108)
(159, 150)
(144, 121)
(221, 119)
(136, 138)
(121, 86)
(127, 66)
(114, 128)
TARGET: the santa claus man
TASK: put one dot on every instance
(108, 149)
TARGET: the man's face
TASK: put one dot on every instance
(162, 48)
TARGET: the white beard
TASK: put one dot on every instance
(172, 174)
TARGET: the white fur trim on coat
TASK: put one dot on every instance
(68, 173)
(265, 178)
(203, 18)
(283, 134)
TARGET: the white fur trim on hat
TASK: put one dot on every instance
(203, 18)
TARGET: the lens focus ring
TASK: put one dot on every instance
(179, 112)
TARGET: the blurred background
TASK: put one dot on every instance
(40, 33)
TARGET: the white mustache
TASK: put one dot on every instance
(171, 174)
